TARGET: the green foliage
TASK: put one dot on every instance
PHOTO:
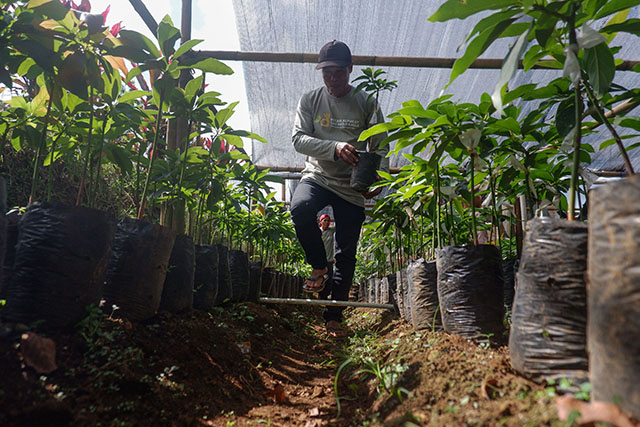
(70, 111)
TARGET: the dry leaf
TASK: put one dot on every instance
(318, 391)
(277, 394)
(314, 412)
(38, 353)
(244, 347)
(593, 412)
(490, 389)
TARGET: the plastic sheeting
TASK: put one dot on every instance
(377, 27)
(614, 292)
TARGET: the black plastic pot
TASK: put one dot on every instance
(614, 294)
(549, 316)
(206, 277)
(137, 268)
(225, 287)
(365, 172)
(255, 281)
(11, 240)
(177, 292)
(470, 287)
(425, 307)
(401, 289)
(267, 281)
(239, 270)
(3, 229)
(60, 260)
(509, 269)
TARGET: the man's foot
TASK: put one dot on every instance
(335, 330)
(315, 284)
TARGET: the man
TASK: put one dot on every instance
(328, 122)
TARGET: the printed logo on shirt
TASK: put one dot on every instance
(324, 120)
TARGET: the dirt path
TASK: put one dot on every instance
(266, 365)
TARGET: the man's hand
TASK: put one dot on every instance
(373, 193)
(347, 153)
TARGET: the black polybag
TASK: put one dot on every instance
(549, 316)
(11, 240)
(205, 283)
(614, 294)
(509, 269)
(239, 270)
(425, 308)
(177, 292)
(255, 281)
(401, 286)
(137, 268)
(470, 287)
(225, 287)
(59, 264)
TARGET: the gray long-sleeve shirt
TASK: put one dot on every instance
(323, 120)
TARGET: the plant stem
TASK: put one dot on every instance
(94, 185)
(603, 119)
(86, 160)
(43, 140)
(151, 157)
(473, 202)
(50, 174)
(438, 197)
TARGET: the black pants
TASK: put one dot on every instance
(308, 199)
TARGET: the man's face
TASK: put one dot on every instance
(337, 79)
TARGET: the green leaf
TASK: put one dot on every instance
(457, 9)
(377, 129)
(613, 6)
(600, 67)
(565, 117)
(133, 41)
(631, 26)
(208, 65)
(120, 157)
(192, 87)
(607, 143)
(477, 46)
(134, 94)
(509, 67)
(185, 47)
(73, 75)
(167, 36)
(51, 8)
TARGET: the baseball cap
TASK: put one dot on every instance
(334, 54)
(323, 216)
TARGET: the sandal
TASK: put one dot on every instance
(335, 330)
(311, 283)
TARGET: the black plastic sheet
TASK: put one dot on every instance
(3, 230)
(391, 279)
(425, 308)
(225, 287)
(255, 281)
(177, 292)
(239, 269)
(267, 281)
(401, 289)
(614, 294)
(11, 240)
(137, 268)
(509, 269)
(549, 317)
(59, 265)
(470, 291)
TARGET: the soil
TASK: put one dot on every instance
(273, 365)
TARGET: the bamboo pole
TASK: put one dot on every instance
(372, 60)
(324, 302)
(146, 16)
